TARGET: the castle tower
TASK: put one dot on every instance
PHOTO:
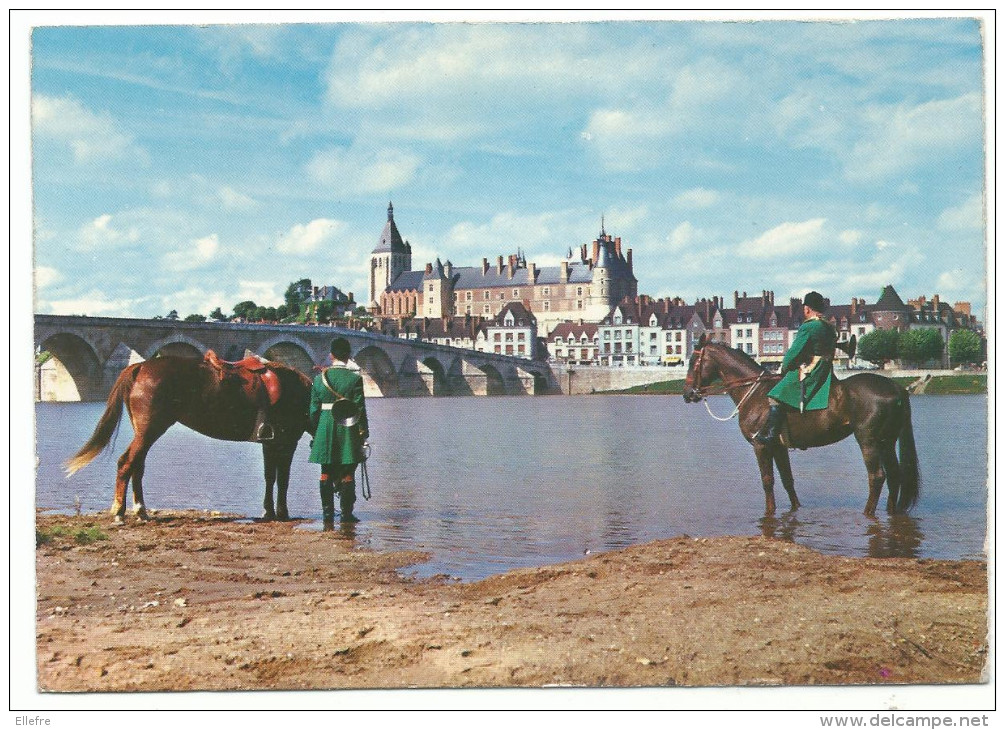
(391, 257)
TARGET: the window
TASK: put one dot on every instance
(430, 300)
(617, 334)
(750, 333)
(497, 349)
(509, 336)
(547, 291)
(652, 336)
(547, 306)
(509, 349)
(430, 287)
(579, 291)
(486, 295)
(496, 337)
(467, 296)
(487, 309)
(677, 337)
(607, 334)
(750, 348)
(521, 336)
(667, 338)
(516, 293)
(521, 349)
(579, 304)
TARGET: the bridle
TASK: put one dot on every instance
(724, 386)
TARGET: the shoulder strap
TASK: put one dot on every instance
(324, 379)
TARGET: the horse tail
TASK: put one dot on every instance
(109, 422)
(910, 472)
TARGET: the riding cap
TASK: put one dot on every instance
(815, 301)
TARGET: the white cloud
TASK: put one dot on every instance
(308, 238)
(697, 198)
(350, 169)
(234, 200)
(262, 293)
(46, 275)
(544, 237)
(91, 136)
(198, 253)
(785, 240)
(967, 216)
(897, 139)
(96, 303)
(102, 233)
(682, 236)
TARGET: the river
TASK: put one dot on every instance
(486, 485)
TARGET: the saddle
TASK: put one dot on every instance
(255, 375)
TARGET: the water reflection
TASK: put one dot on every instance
(896, 536)
(901, 537)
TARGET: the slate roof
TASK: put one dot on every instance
(564, 329)
(390, 238)
(890, 301)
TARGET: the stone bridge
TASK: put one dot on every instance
(88, 353)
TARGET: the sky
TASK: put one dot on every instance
(189, 167)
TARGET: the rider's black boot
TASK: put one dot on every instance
(773, 428)
(327, 504)
(347, 499)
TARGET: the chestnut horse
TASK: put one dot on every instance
(873, 408)
(166, 390)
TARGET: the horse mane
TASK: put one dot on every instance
(744, 357)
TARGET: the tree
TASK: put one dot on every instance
(297, 292)
(195, 318)
(282, 312)
(324, 310)
(265, 314)
(920, 346)
(965, 346)
(217, 316)
(245, 310)
(173, 314)
(879, 346)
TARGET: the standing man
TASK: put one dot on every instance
(338, 421)
(806, 369)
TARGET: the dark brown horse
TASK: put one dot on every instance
(873, 408)
(167, 390)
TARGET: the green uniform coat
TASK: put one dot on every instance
(337, 444)
(815, 337)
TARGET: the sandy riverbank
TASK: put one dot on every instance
(191, 601)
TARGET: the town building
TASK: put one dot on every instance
(511, 332)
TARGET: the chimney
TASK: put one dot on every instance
(582, 253)
(563, 275)
(736, 298)
(509, 267)
(499, 266)
(854, 306)
(617, 246)
(532, 273)
(596, 252)
(485, 266)
(629, 259)
(429, 268)
(935, 302)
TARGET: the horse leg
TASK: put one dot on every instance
(765, 464)
(269, 459)
(284, 461)
(153, 431)
(873, 457)
(892, 468)
(785, 472)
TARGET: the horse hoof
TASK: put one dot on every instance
(283, 517)
(268, 516)
(118, 520)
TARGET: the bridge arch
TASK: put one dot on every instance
(182, 345)
(71, 372)
(379, 376)
(437, 381)
(289, 353)
(495, 384)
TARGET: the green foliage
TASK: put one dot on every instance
(957, 384)
(195, 318)
(879, 346)
(266, 314)
(296, 293)
(173, 314)
(919, 346)
(665, 387)
(245, 310)
(965, 346)
(218, 316)
(82, 536)
(324, 310)
(42, 357)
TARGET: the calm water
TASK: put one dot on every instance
(490, 484)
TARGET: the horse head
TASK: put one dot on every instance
(702, 369)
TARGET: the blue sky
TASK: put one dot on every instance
(188, 167)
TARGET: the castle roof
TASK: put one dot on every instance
(390, 238)
(890, 301)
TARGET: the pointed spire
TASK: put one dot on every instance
(390, 211)
(603, 232)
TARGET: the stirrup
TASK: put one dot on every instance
(265, 432)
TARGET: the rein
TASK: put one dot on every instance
(725, 387)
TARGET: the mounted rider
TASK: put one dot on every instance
(807, 369)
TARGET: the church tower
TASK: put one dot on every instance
(391, 257)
